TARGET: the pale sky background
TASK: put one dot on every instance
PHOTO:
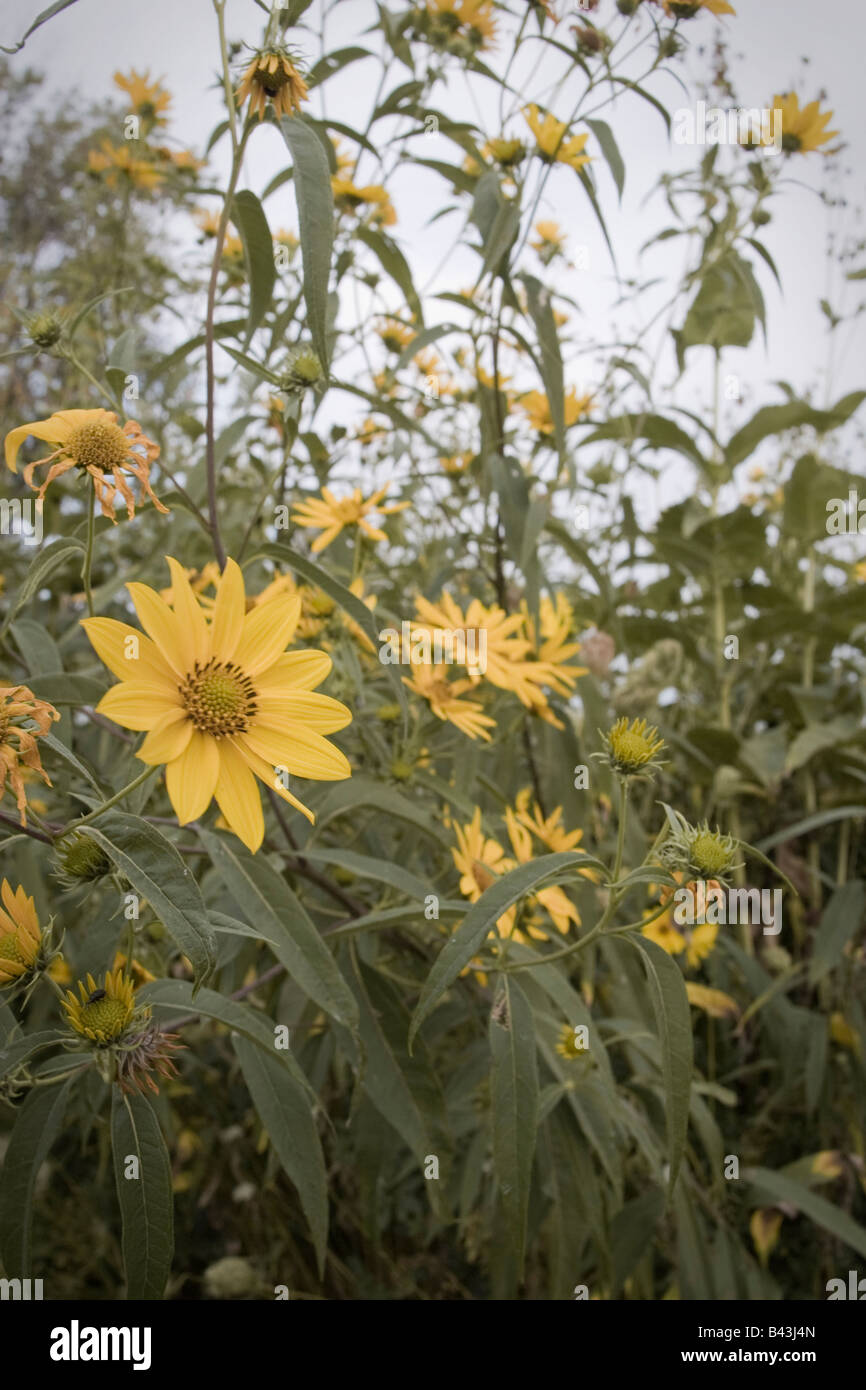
(175, 39)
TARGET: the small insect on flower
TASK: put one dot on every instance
(95, 995)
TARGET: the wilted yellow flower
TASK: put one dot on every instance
(553, 142)
(93, 442)
(272, 77)
(23, 719)
(330, 514)
(713, 1001)
(20, 936)
(803, 129)
(103, 1012)
(842, 1033)
(221, 700)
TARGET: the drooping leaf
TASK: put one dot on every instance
(142, 1173)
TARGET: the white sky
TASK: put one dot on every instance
(175, 39)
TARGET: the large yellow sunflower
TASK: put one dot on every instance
(221, 699)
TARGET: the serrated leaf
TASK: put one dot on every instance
(146, 1201)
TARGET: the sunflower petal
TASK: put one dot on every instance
(167, 739)
(136, 705)
(266, 633)
(110, 641)
(304, 753)
(191, 779)
(228, 613)
(161, 623)
(189, 611)
(238, 797)
(300, 670)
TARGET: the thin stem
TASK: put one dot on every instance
(112, 800)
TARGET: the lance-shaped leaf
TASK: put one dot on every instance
(143, 1176)
(673, 1019)
(778, 1187)
(514, 1102)
(286, 1114)
(480, 921)
(155, 869)
(315, 221)
(269, 904)
(37, 1125)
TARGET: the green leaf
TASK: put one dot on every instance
(514, 1103)
(610, 149)
(61, 751)
(541, 311)
(802, 827)
(285, 1112)
(775, 1187)
(264, 897)
(631, 1231)
(249, 217)
(498, 221)
(155, 869)
(481, 919)
(40, 19)
(44, 565)
(659, 433)
(384, 1080)
(349, 602)
(22, 1049)
(240, 1018)
(333, 63)
(841, 918)
(394, 263)
(673, 1019)
(316, 224)
(818, 738)
(364, 791)
(146, 1201)
(37, 1124)
(382, 870)
(774, 419)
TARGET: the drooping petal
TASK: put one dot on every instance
(47, 430)
(265, 771)
(136, 659)
(228, 613)
(136, 705)
(238, 797)
(191, 779)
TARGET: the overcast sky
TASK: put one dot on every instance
(175, 39)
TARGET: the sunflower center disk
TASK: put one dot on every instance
(10, 950)
(107, 1017)
(102, 446)
(219, 699)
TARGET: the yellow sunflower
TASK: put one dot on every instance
(221, 700)
(104, 1012)
(329, 514)
(349, 197)
(553, 143)
(20, 936)
(537, 409)
(443, 696)
(687, 9)
(804, 129)
(93, 442)
(117, 162)
(147, 99)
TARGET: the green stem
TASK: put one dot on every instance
(112, 801)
